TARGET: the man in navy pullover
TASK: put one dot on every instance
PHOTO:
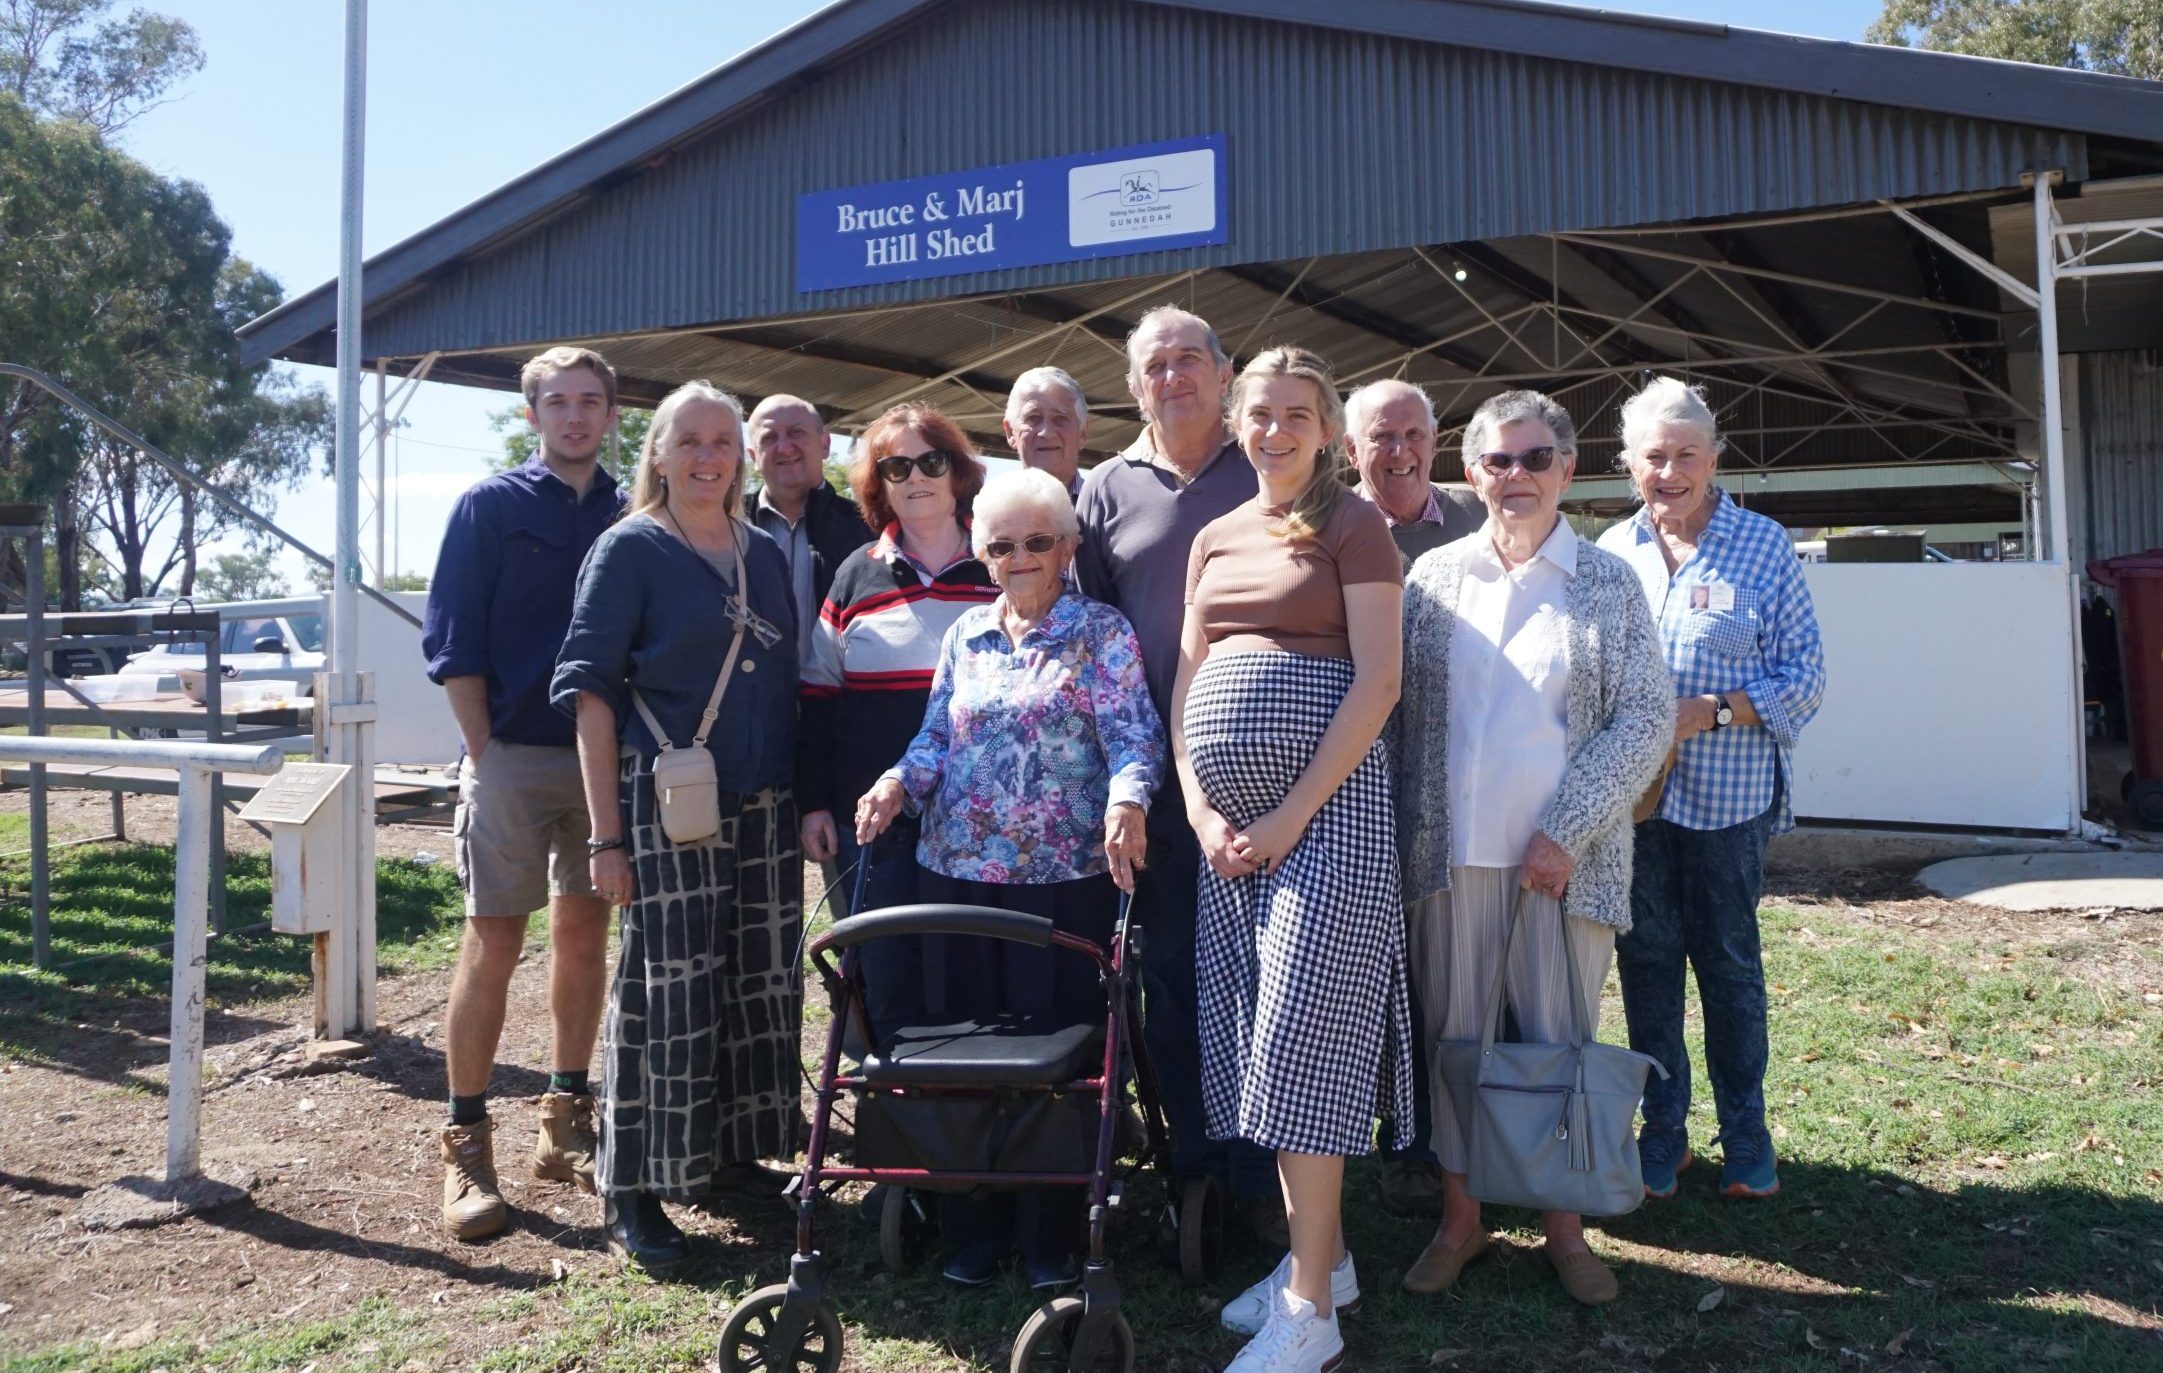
(498, 608)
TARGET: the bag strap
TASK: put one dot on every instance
(728, 664)
(1492, 1025)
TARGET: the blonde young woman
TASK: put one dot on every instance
(1289, 665)
(700, 1048)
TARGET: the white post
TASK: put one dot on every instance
(2056, 489)
(191, 918)
(348, 967)
(2051, 410)
(383, 442)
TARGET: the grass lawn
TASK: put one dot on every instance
(1971, 1148)
(112, 927)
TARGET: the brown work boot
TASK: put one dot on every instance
(472, 1198)
(564, 1151)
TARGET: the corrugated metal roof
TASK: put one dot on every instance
(2121, 427)
(1361, 127)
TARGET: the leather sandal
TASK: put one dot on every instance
(1588, 1281)
(1437, 1269)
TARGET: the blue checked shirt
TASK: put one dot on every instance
(1735, 617)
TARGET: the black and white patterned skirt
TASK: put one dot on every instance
(700, 1050)
(1304, 1017)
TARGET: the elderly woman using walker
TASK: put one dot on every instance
(1741, 638)
(1288, 668)
(1032, 774)
(1535, 710)
(683, 636)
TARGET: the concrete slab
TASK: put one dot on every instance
(2052, 881)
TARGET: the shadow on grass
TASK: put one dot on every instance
(1842, 1270)
(112, 925)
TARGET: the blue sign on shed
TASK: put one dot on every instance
(1023, 214)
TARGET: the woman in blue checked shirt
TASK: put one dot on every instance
(1742, 642)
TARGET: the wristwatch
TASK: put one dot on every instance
(594, 846)
(1723, 714)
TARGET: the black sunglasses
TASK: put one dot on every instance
(1532, 460)
(932, 464)
(999, 550)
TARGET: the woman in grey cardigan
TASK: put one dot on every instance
(1536, 707)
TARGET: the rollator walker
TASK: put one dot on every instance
(1012, 1100)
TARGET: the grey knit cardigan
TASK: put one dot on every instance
(1621, 721)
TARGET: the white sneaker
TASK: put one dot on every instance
(1248, 1312)
(1297, 1339)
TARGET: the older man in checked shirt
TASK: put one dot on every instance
(1742, 643)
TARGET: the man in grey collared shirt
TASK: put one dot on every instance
(815, 527)
(1139, 515)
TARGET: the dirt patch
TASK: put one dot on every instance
(343, 1159)
(346, 1176)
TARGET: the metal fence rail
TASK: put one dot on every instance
(195, 763)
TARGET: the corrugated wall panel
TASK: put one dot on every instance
(2121, 426)
(1339, 143)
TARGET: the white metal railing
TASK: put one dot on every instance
(194, 763)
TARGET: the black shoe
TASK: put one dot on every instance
(754, 1180)
(641, 1232)
(975, 1264)
(1052, 1276)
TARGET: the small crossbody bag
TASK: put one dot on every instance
(685, 784)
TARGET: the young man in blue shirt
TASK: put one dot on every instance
(498, 608)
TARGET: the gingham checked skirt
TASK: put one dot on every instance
(1306, 1031)
(700, 1055)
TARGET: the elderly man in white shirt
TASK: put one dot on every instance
(1536, 707)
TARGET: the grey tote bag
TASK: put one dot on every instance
(1549, 1126)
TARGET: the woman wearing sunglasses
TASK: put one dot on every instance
(1536, 709)
(1031, 774)
(872, 654)
(1288, 666)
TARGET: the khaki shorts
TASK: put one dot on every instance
(521, 829)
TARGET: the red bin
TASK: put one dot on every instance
(2138, 580)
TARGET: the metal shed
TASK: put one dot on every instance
(1840, 241)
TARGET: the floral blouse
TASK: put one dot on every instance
(1023, 751)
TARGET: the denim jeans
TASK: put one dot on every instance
(1693, 898)
(1164, 900)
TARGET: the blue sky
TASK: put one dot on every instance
(463, 96)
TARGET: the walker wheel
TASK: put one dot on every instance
(750, 1340)
(1046, 1342)
(1201, 1229)
(905, 1230)
(2145, 799)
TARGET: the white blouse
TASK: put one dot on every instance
(1509, 687)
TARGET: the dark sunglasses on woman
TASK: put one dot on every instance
(1532, 460)
(932, 464)
(999, 550)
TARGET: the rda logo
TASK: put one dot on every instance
(1170, 194)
